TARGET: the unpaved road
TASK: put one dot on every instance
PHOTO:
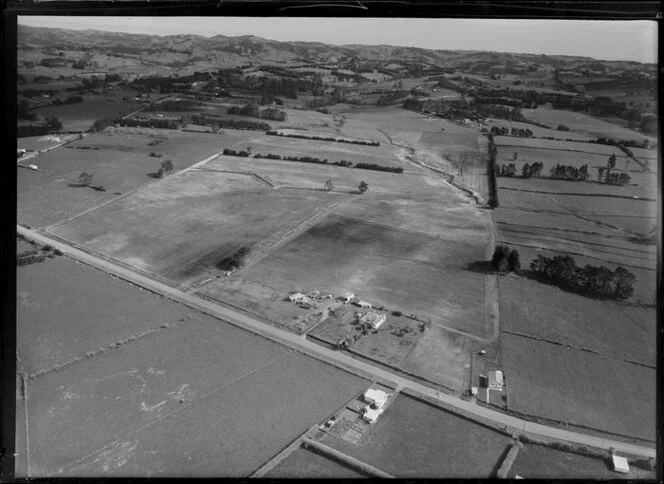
(333, 357)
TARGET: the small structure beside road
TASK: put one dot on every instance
(620, 464)
(371, 319)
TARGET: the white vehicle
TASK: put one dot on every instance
(34, 167)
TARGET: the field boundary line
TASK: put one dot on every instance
(103, 349)
(578, 254)
(170, 414)
(585, 232)
(24, 388)
(572, 194)
(342, 458)
(561, 149)
(282, 454)
(579, 348)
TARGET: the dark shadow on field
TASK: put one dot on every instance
(153, 175)
(499, 462)
(480, 267)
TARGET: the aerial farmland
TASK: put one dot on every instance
(240, 257)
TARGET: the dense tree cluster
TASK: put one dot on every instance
(237, 260)
(570, 172)
(505, 259)
(243, 154)
(493, 172)
(375, 167)
(391, 97)
(592, 281)
(151, 122)
(562, 127)
(23, 111)
(165, 169)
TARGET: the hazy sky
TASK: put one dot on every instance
(611, 40)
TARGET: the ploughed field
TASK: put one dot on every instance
(156, 403)
(186, 224)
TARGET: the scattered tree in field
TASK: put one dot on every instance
(237, 260)
(600, 173)
(515, 156)
(507, 170)
(329, 186)
(85, 179)
(514, 261)
(363, 187)
(166, 168)
(612, 162)
(53, 123)
(570, 172)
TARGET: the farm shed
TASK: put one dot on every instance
(363, 304)
(371, 414)
(496, 380)
(348, 297)
(377, 397)
(620, 464)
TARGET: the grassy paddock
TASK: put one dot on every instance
(413, 439)
(581, 388)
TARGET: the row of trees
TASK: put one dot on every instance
(527, 171)
(236, 261)
(51, 124)
(323, 138)
(329, 186)
(503, 131)
(217, 123)
(606, 175)
(319, 161)
(592, 281)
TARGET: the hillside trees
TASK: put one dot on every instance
(363, 187)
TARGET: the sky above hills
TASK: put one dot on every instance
(609, 40)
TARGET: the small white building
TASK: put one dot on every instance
(376, 397)
(33, 167)
(372, 319)
(297, 297)
(620, 464)
(348, 297)
(371, 414)
(363, 304)
(496, 380)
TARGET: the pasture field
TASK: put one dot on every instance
(307, 463)
(293, 174)
(609, 327)
(524, 219)
(79, 117)
(616, 250)
(43, 200)
(634, 216)
(540, 462)
(185, 224)
(414, 439)
(157, 406)
(551, 157)
(583, 123)
(538, 130)
(642, 185)
(580, 388)
(54, 326)
(515, 143)
(440, 356)
(412, 272)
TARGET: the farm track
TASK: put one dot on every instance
(335, 358)
(274, 241)
(610, 195)
(581, 348)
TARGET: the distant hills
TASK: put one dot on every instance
(259, 50)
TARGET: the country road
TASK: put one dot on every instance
(330, 356)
